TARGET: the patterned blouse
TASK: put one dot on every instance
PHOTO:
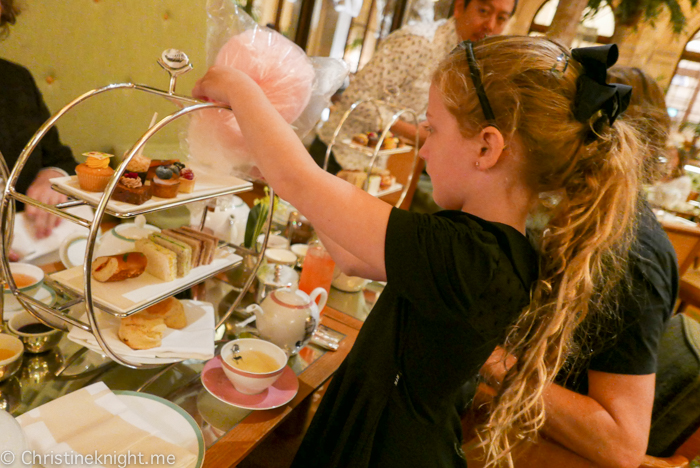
(399, 72)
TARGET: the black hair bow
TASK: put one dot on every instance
(592, 91)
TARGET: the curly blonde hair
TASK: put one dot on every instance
(591, 169)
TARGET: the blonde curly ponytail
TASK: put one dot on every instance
(592, 169)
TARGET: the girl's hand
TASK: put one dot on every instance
(215, 85)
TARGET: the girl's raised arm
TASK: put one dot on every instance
(350, 217)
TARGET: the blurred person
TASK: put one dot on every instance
(22, 112)
(400, 71)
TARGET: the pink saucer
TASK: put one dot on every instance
(280, 393)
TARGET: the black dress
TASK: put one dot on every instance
(22, 112)
(455, 283)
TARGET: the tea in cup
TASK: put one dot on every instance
(28, 279)
(252, 365)
(11, 351)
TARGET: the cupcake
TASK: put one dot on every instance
(139, 164)
(94, 173)
(165, 183)
(187, 179)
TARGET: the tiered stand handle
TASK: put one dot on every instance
(176, 63)
(386, 128)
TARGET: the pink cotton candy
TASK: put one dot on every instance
(284, 73)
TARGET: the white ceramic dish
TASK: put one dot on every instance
(207, 185)
(125, 297)
(12, 440)
(43, 294)
(10, 301)
(174, 424)
(72, 250)
(195, 341)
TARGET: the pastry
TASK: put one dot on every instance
(162, 262)
(118, 267)
(187, 179)
(360, 139)
(155, 164)
(182, 250)
(130, 189)
(141, 331)
(165, 184)
(140, 165)
(171, 311)
(372, 139)
(94, 174)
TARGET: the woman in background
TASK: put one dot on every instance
(22, 112)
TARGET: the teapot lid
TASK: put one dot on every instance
(277, 275)
(290, 298)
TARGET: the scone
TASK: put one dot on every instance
(140, 331)
(171, 311)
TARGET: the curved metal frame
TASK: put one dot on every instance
(9, 196)
(394, 118)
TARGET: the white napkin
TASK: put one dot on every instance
(195, 341)
(84, 422)
(29, 247)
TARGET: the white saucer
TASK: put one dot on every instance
(43, 294)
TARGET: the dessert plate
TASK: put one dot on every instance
(195, 341)
(43, 294)
(370, 151)
(208, 185)
(280, 393)
(173, 423)
(131, 295)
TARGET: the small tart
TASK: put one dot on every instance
(165, 188)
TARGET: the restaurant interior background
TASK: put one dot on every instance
(74, 46)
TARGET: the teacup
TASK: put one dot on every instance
(11, 351)
(28, 279)
(275, 241)
(35, 336)
(259, 364)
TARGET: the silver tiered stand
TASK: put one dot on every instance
(175, 63)
(373, 153)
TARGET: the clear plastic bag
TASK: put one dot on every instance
(299, 87)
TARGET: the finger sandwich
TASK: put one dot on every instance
(210, 243)
(182, 250)
(162, 262)
(195, 244)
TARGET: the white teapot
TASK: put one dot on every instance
(289, 317)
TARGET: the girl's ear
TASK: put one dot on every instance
(492, 145)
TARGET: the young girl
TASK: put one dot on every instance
(502, 131)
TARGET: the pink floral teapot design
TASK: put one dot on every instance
(289, 317)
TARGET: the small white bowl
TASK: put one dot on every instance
(252, 383)
(9, 366)
(35, 272)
